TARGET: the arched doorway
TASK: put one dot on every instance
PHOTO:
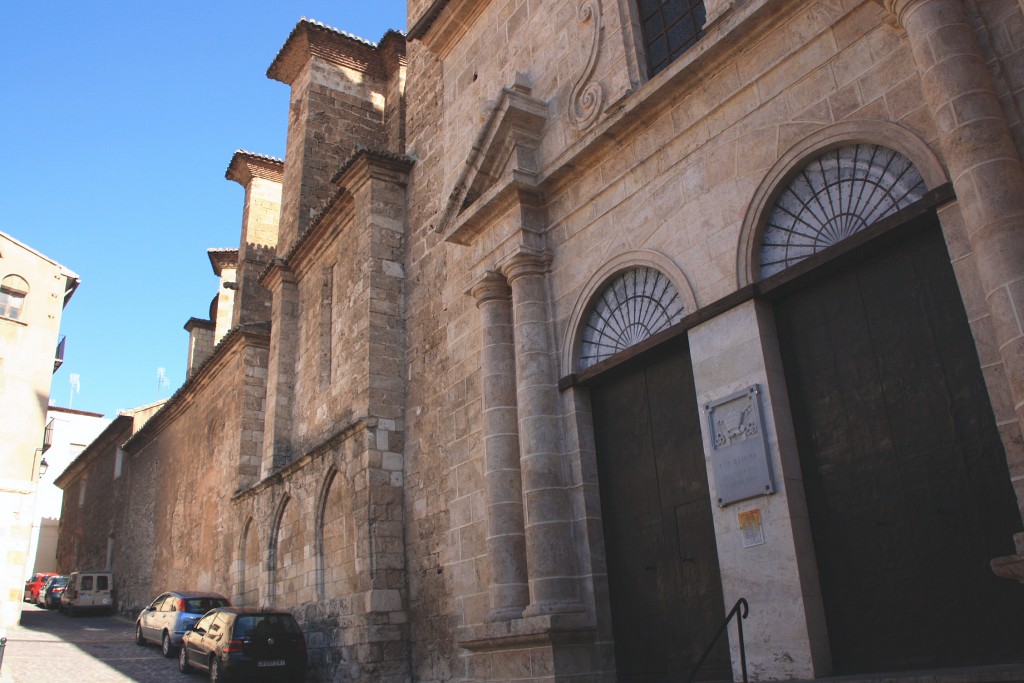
(664, 582)
(904, 473)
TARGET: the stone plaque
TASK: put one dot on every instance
(739, 450)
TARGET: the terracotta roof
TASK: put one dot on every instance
(245, 165)
(369, 151)
(310, 37)
(72, 411)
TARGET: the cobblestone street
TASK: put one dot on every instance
(52, 647)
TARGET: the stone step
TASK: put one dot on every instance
(1000, 673)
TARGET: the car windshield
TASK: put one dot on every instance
(256, 625)
(61, 581)
(203, 605)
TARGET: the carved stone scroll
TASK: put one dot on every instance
(587, 99)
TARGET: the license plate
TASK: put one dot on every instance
(270, 662)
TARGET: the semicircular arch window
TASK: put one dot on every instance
(635, 305)
(834, 196)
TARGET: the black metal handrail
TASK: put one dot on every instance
(741, 608)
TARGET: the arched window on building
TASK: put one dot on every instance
(834, 196)
(13, 290)
(635, 305)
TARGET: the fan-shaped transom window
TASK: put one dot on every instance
(634, 306)
(836, 195)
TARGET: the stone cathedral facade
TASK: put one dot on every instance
(565, 325)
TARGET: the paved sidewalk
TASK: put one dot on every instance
(53, 648)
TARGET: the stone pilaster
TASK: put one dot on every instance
(983, 163)
(338, 90)
(200, 343)
(284, 338)
(261, 176)
(553, 584)
(506, 540)
(225, 266)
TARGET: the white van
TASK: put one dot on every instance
(88, 591)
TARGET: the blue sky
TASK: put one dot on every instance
(118, 120)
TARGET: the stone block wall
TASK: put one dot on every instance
(999, 25)
(178, 469)
(355, 454)
(338, 86)
(674, 173)
(430, 433)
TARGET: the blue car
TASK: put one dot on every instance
(166, 619)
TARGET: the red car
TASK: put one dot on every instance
(33, 585)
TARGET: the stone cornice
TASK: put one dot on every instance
(363, 165)
(222, 258)
(246, 334)
(392, 51)
(194, 323)
(502, 163)
(427, 19)
(311, 39)
(244, 166)
(278, 476)
(684, 75)
(275, 274)
(444, 22)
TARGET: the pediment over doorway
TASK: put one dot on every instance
(503, 162)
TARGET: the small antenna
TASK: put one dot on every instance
(161, 380)
(76, 387)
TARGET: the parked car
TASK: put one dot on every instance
(88, 591)
(49, 594)
(33, 585)
(166, 619)
(245, 644)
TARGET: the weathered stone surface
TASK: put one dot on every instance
(396, 459)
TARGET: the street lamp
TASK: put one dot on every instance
(43, 466)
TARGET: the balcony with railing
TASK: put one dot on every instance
(48, 436)
(58, 358)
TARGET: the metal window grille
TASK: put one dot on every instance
(634, 306)
(840, 193)
(670, 27)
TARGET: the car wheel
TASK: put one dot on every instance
(183, 660)
(166, 649)
(139, 638)
(215, 674)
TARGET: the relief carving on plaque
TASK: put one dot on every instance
(739, 451)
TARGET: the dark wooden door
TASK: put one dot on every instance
(906, 480)
(666, 594)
